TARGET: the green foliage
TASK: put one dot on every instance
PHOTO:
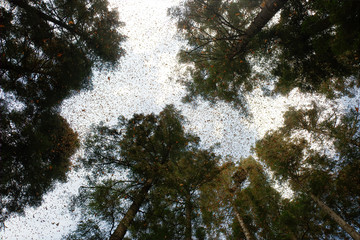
(283, 156)
(48, 50)
(143, 144)
(123, 158)
(166, 213)
(216, 202)
(86, 230)
(313, 46)
(42, 42)
(212, 29)
(245, 190)
(319, 44)
(302, 217)
(160, 219)
(259, 203)
(314, 170)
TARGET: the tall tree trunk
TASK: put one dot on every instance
(344, 225)
(268, 9)
(126, 221)
(242, 224)
(188, 210)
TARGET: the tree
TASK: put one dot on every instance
(313, 56)
(87, 230)
(242, 203)
(314, 172)
(33, 156)
(48, 50)
(217, 202)
(258, 202)
(42, 42)
(302, 218)
(313, 45)
(244, 195)
(173, 209)
(135, 161)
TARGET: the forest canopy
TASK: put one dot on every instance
(278, 45)
(145, 176)
(148, 176)
(48, 50)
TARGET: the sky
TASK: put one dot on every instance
(144, 82)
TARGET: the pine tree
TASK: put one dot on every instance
(174, 207)
(244, 196)
(313, 172)
(312, 45)
(137, 162)
(42, 42)
(47, 52)
(33, 156)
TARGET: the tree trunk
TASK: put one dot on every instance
(344, 225)
(188, 210)
(126, 221)
(242, 224)
(269, 9)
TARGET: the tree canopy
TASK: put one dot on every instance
(319, 171)
(234, 46)
(41, 42)
(48, 50)
(144, 164)
(184, 192)
(148, 178)
(34, 154)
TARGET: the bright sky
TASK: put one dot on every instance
(144, 83)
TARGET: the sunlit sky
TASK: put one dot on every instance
(144, 82)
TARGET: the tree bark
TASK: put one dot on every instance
(344, 225)
(242, 224)
(126, 221)
(269, 9)
(188, 210)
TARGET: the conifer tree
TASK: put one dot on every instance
(48, 48)
(244, 195)
(47, 52)
(141, 162)
(313, 172)
(179, 198)
(234, 46)
(34, 154)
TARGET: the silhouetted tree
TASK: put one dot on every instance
(173, 210)
(234, 46)
(34, 154)
(47, 51)
(140, 160)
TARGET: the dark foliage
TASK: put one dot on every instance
(234, 46)
(47, 52)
